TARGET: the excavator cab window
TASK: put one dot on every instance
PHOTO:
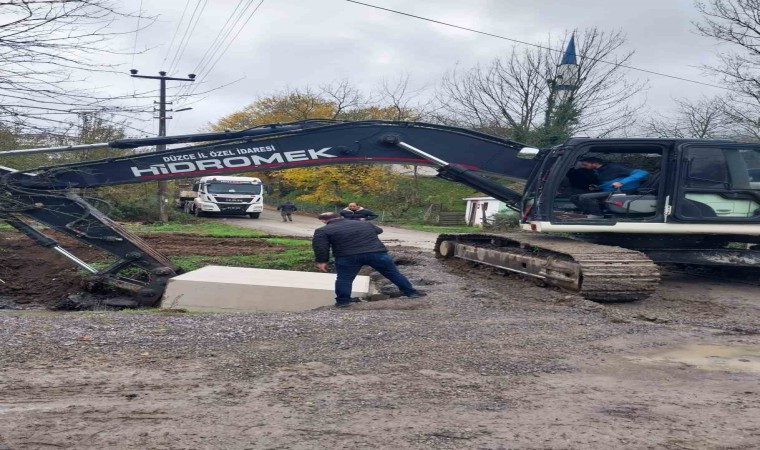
(719, 183)
(587, 190)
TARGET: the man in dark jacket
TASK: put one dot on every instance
(612, 177)
(356, 212)
(355, 244)
(286, 209)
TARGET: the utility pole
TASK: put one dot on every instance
(163, 210)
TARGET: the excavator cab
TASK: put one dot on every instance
(562, 180)
(687, 182)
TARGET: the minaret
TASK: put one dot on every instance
(567, 73)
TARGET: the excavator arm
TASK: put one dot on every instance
(48, 195)
(299, 144)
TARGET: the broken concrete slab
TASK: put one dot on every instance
(217, 288)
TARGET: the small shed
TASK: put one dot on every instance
(477, 207)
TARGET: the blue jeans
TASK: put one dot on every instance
(348, 267)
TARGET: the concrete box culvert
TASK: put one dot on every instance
(230, 289)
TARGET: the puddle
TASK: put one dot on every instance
(733, 358)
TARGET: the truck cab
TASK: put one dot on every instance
(224, 195)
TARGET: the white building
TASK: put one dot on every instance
(406, 169)
(478, 206)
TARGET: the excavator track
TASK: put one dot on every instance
(601, 273)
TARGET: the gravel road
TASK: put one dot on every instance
(271, 222)
(486, 361)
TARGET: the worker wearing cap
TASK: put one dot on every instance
(355, 244)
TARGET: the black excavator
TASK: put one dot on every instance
(699, 204)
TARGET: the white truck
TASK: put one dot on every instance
(224, 195)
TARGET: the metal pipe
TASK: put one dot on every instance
(437, 161)
(65, 148)
(78, 261)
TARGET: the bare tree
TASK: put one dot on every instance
(736, 23)
(405, 101)
(513, 95)
(343, 95)
(47, 50)
(90, 128)
(705, 118)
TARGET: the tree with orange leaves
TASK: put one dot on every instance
(339, 101)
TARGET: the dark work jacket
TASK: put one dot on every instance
(346, 237)
(361, 213)
(287, 208)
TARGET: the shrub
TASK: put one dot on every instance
(504, 220)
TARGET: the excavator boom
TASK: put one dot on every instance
(299, 144)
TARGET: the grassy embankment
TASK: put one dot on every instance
(297, 254)
(406, 205)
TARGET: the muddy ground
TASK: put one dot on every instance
(486, 361)
(36, 276)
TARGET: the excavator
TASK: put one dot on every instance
(699, 204)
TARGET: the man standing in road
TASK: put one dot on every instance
(356, 212)
(355, 244)
(286, 209)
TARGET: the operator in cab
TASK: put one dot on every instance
(611, 177)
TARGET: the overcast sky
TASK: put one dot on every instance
(293, 43)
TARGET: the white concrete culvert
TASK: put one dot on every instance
(244, 289)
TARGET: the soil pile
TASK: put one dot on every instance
(182, 244)
(32, 274)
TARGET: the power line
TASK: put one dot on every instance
(137, 32)
(235, 37)
(218, 41)
(176, 31)
(187, 27)
(188, 34)
(134, 47)
(652, 72)
(221, 54)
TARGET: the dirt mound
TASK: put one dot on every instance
(181, 244)
(32, 274)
